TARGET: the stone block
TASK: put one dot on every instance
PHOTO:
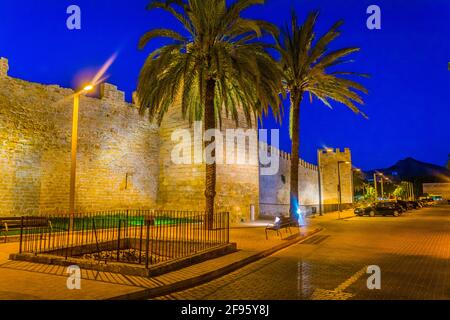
(110, 92)
(4, 67)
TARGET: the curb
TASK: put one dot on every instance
(123, 268)
(345, 218)
(209, 276)
(9, 239)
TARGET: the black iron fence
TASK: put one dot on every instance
(132, 236)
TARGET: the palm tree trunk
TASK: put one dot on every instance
(210, 179)
(296, 97)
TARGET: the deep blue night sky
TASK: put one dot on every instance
(408, 103)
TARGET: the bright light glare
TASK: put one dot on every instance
(88, 88)
(99, 77)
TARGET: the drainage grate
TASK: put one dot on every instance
(316, 239)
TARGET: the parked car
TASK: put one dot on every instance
(388, 208)
(424, 203)
(405, 205)
(363, 210)
(430, 201)
(415, 204)
(380, 209)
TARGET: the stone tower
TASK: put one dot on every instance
(332, 161)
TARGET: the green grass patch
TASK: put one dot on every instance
(104, 222)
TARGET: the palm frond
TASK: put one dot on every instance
(158, 33)
(222, 46)
(305, 63)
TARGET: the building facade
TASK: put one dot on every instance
(441, 189)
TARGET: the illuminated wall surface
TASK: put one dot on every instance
(117, 150)
(274, 190)
(125, 162)
(182, 187)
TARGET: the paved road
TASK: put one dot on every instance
(412, 251)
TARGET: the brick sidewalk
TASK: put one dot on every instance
(24, 280)
(336, 215)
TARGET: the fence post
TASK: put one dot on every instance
(68, 236)
(140, 240)
(118, 241)
(126, 226)
(21, 234)
(228, 227)
(147, 243)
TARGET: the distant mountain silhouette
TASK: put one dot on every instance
(416, 171)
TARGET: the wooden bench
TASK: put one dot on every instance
(280, 223)
(22, 223)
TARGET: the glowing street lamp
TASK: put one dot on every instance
(88, 88)
(98, 78)
(73, 164)
(382, 186)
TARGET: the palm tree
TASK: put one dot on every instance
(215, 67)
(305, 62)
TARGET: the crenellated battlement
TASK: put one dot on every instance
(111, 93)
(4, 67)
(287, 156)
(332, 151)
(54, 88)
(108, 91)
(135, 99)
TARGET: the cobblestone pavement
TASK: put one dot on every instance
(412, 251)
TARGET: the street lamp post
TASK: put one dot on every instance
(411, 191)
(408, 190)
(375, 185)
(319, 172)
(339, 185)
(353, 182)
(73, 164)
